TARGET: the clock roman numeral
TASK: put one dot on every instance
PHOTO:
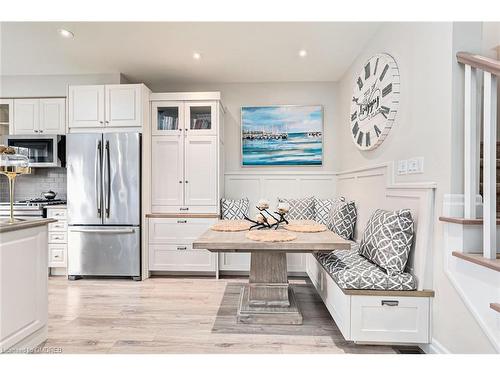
(376, 66)
(360, 83)
(355, 129)
(386, 67)
(367, 141)
(367, 71)
(354, 116)
(387, 90)
(384, 110)
(360, 138)
(377, 131)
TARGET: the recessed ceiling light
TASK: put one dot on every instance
(66, 33)
(302, 53)
(196, 55)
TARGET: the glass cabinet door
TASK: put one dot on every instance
(167, 118)
(6, 110)
(200, 118)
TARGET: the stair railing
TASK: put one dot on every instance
(491, 70)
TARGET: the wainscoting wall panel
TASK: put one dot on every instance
(271, 185)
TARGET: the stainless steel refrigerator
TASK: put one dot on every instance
(104, 179)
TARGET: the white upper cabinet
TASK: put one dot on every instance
(201, 171)
(167, 185)
(185, 154)
(123, 105)
(167, 118)
(52, 116)
(26, 116)
(107, 106)
(201, 118)
(86, 106)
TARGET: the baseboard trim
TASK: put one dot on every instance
(435, 347)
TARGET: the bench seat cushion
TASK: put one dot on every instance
(350, 270)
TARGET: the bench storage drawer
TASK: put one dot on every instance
(390, 319)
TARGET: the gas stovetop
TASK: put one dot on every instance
(40, 202)
(30, 207)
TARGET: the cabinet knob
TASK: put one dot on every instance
(36, 131)
(107, 122)
(187, 181)
(180, 182)
(101, 122)
(41, 131)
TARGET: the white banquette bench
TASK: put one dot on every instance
(382, 312)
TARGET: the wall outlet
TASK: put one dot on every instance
(416, 165)
(402, 167)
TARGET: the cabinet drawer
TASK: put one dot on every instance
(177, 230)
(58, 237)
(173, 209)
(180, 257)
(390, 319)
(59, 226)
(57, 255)
(57, 213)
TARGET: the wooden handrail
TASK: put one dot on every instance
(481, 62)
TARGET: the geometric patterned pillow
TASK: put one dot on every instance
(300, 209)
(234, 209)
(343, 217)
(322, 208)
(387, 239)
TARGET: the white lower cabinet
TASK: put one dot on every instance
(58, 237)
(170, 245)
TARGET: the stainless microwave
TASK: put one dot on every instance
(41, 150)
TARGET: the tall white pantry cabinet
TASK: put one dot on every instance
(187, 142)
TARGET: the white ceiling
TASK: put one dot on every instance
(146, 51)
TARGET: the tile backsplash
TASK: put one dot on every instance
(32, 185)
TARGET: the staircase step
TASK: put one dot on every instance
(495, 306)
(493, 264)
(463, 221)
(498, 187)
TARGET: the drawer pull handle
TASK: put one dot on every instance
(181, 247)
(56, 256)
(184, 209)
(182, 221)
(390, 303)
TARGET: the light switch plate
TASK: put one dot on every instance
(402, 167)
(416, 165)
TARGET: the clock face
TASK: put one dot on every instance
(375, 101)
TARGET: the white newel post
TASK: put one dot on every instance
(470, 143)
(489, 166)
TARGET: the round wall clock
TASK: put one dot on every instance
(375, 101)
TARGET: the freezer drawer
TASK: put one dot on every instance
(103, 251)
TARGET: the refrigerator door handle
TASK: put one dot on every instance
(98, 173)
(108, 231)
(107, 165)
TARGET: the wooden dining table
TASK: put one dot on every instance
(268, 298)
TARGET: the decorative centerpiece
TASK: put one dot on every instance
(12, 165)
(265, 219)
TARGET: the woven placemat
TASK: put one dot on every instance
(271, 236)
(305, 226)
(231, 226)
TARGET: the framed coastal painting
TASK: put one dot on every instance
(282, 135)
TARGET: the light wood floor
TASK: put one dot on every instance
(181, 315)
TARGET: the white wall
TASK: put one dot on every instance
(50, 85)
(423, 127)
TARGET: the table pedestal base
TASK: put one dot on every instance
(254, 314)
